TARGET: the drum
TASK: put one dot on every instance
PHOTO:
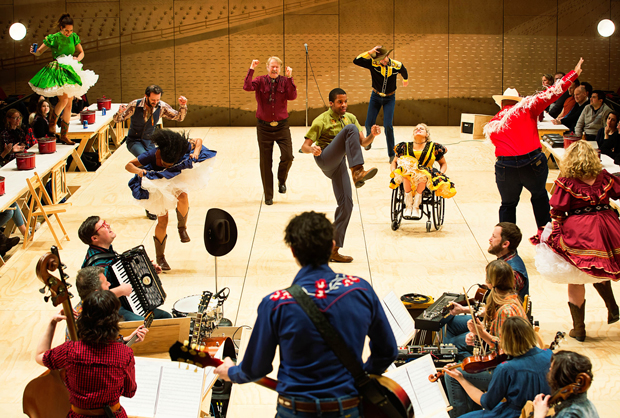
(185, 306)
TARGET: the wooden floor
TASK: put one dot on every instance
(408, 260)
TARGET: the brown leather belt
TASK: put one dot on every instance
(274, 123)
(384, 94)
(325, 406)
(95, 412)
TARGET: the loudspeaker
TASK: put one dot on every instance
(467, 127)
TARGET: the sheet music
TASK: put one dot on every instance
(428, 398)
(148, 372)
(399, 318)
(180, 390)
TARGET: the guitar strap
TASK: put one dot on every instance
(369, 388)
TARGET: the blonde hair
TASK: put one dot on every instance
(428, 131)
(501, 276)
(278, 60)
(581, 160)
(518, 336)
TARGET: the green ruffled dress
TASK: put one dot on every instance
(64, 75)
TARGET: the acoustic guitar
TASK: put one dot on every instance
(394, 402)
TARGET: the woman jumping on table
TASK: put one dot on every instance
(413, 166)
(64, 76)
(163, 179)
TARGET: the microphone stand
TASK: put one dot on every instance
(306, 46)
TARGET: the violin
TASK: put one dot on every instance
(477, 364)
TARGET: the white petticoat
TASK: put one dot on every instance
(88, 77)
(555, 268)
(163, 193)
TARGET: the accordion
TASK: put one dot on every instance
(135, 268)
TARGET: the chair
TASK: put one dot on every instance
(37, 208)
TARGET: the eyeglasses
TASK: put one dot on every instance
(104, 224)
(16, 117)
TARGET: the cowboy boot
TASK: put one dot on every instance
(604, 289)
(339, 258)
(408, 212)
(7, 243)
(579, 327)
(360, 176)
(52, 122)
(182, 226)
(159, 251)
(64, 128)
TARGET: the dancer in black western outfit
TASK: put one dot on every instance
(383, 71)
(272, 92)
(334, 135)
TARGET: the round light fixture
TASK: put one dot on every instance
(606, 28)
(17, 31)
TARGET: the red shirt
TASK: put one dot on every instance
(514, 130)
(95, 375)
(271, 96)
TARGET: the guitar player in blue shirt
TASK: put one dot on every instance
(311, 380)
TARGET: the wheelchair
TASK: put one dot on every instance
(432, 207)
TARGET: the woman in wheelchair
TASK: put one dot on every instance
(413, 166)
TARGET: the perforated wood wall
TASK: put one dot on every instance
(458, 52)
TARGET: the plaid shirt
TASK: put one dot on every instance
(513, 308)
(167, 111)
(95, 375)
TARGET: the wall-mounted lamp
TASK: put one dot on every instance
(17, 31)
(606, 28)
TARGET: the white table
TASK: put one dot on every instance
(99, 130)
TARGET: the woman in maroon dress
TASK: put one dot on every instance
(583, 245)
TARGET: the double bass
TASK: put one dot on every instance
(47, 396)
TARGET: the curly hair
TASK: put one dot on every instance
(172, 145)
(565, 366)
(581, 160)
(428, 131)
(98, 322)
(310, 236)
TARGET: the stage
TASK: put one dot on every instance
(404, 261)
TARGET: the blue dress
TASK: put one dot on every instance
(158, 190)
(517, 380)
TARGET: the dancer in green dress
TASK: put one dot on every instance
(63, 77)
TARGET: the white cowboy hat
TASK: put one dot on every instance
(509, 94)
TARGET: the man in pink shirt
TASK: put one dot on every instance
(272, 93)
(520, 161)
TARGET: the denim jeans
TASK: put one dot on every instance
(512, 176)
(139, 146)
(14, 213)
(374, 105)
(130, 316)
(283, 412)
(456, 331)
(459, 399)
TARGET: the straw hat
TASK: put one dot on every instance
(509, 94)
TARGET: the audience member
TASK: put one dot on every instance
(15, 137)
(568, 104)
(556, 108)
(558, 76)
(40, 124)
(581, 101)
(547, 81)
(608, 138)
(593, 116)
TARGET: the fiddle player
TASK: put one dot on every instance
(501, 303)
(99, 368)
(565, 366)
(312, 382)
(516, 380)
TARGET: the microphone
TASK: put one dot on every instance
(306, 46)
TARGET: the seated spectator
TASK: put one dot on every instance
(18, 218)
(568, 104)
(40, 124)
(558, 76)
(593, 116)
(589, 88)
(557, 107)
(608, 138)
(581, 101)
(547, 81)
(7, 243)
(15, 137)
